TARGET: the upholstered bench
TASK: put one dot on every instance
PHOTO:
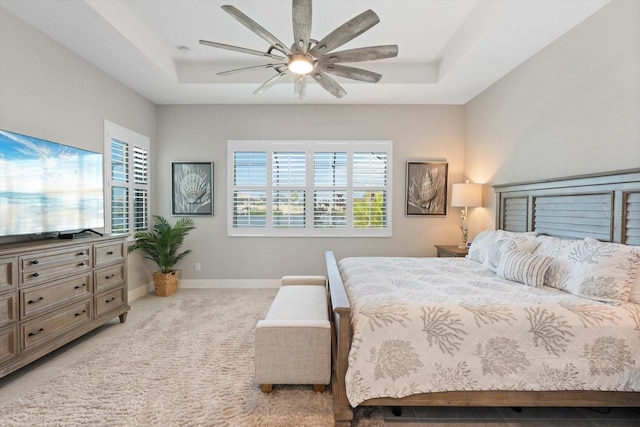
(293, 342)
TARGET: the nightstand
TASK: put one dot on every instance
(451, 251)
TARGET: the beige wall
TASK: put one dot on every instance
(48, 92)
(574, 108)
(201, 133)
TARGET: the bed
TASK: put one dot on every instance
(464, 332)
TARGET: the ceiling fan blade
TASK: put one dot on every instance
(226, 73)
(362, 54)
(302, 16)
(272, 81)
(328, 83)
(256, 28)
(239, 49)
(300, 86)
(351, 72)
(347, 31)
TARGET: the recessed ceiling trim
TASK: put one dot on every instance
(134, 42)
(137, 33)
(392, 73)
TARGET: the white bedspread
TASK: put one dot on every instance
(444, 324)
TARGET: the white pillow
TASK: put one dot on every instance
(595, 270)
(524, 267)
(634, 293)
(481, 245)
(558, 249)
(554, 246)
(526, 241)
(497, 249)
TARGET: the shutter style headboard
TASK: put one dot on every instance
(604, 206)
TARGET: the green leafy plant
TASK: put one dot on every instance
(162, 244)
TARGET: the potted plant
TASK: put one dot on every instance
(161, 246)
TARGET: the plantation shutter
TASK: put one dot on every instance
(289, 176)
(119, 186)
(249, 194)
(370, 171)
(127, 179)
(140, 188)
(309, 188)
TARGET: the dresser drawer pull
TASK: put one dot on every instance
(32, 334)
(81, 313)
(80, 286)
(35, 275)
(111, 276)
(81, 253)
(81, 264)
(110, 253)
(35, 301)
(110, 300)
(35, 261)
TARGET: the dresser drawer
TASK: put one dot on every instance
(7, 310)
(54, 265)
(109, 277)
(53, 324)
(8, 342)
(109, 301)
(38, 299)
(8, 274)
(108, 253)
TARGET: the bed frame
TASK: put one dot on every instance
(604, 206)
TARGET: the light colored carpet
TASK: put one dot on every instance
(187, 364)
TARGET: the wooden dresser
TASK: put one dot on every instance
(54, 291)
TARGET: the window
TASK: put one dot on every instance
(126, 180)
(310, 188)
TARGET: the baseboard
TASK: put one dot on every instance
(141, 291)
(229, 283)
(138, 292)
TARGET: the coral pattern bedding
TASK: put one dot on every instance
(448, 324)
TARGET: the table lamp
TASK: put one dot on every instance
(465, 195)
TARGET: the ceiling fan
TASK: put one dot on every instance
(309, 57)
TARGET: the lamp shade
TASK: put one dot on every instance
(466, 195)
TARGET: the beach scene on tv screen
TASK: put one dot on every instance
(48, 187)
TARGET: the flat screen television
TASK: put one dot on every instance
(46, 187)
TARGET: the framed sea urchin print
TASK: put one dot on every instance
(427, 188)
(191, 188)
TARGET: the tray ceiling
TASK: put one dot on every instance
(449, 51)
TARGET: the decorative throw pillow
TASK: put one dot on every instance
(524, 267)
(526, 241)
(554, 246)
(634, 293)
(602, 271)
(561, 265)
(481, 244)
(497, 249)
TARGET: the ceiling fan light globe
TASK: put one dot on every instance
(300, 64)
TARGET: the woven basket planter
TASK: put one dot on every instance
(166, 284)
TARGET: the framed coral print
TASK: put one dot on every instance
(427, 188)
(191, 188)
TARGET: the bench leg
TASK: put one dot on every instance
(319, 388)
(266, 388)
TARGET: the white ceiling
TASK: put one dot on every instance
(449, 50)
